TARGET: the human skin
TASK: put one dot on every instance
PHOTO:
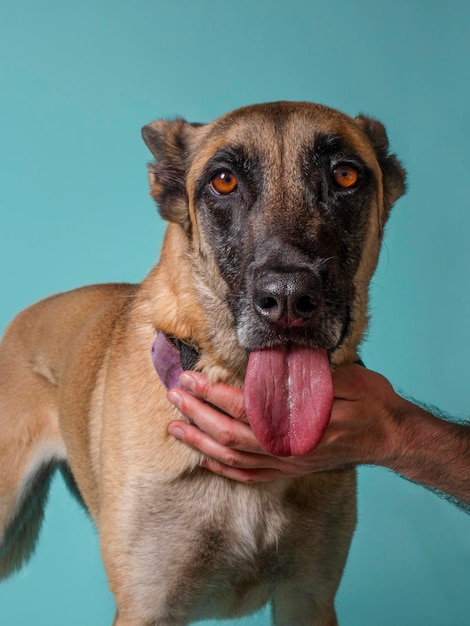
(370, 425)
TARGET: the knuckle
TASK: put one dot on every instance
(227, 438)
(232, 459)
(202, 389)
(248, 479)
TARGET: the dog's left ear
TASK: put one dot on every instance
(169, 141)
(393, 174)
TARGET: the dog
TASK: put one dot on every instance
(276, 214)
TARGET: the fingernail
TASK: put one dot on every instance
(187, 380)
(176, 432)
(175, 398)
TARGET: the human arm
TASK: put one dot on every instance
(370, 424)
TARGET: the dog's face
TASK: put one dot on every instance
(284, 205)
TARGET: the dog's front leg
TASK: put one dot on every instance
(313, 551)
(143, 585)
(157, 551)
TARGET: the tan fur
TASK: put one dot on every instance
(77, 386)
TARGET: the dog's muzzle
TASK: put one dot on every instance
(287, 298)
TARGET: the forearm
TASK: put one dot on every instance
(435, 453)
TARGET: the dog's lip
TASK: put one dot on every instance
(287, 343)
(252, 338)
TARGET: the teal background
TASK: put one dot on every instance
(77, 82)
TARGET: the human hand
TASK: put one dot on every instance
(364, 428)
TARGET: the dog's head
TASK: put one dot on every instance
(283, 206)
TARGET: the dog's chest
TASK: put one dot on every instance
(247, 520)
(209, 544)
(239, 550)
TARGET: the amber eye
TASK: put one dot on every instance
(345, 175)
(224, 182)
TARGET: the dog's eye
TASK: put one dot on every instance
(345, 175)
(224, 182)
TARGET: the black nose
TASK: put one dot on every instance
(287, 298)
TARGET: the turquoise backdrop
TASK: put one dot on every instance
(77, 82)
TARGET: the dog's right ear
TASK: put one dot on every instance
(168, 141)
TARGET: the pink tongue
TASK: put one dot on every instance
(288, 398)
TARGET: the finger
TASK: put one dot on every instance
(237, 459)
(225, 430)
(227, 398)
(246, 476)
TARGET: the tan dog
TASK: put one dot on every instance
(276, 215)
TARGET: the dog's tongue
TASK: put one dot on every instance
(288, 398)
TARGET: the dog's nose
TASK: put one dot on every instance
(287, 298)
